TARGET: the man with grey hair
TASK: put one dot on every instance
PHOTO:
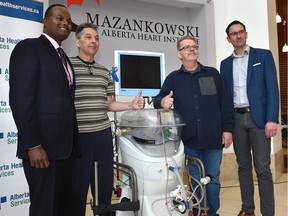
(198, 93)
(93, 99)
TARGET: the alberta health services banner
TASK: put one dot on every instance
(19, 19)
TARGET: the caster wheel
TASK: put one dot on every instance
(182, 209)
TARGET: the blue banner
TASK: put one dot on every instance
(22, 9)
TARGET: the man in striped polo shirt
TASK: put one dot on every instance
(93, 99)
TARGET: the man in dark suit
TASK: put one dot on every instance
(42, 102)
(251, 78)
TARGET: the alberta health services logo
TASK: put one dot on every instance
(11, 138)
(2, 200)
(15, 200)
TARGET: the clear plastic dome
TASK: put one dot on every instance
(149, 129)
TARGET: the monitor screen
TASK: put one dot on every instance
(139, 70)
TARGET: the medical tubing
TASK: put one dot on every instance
(181, 183)
(195, 189)
(167, 171)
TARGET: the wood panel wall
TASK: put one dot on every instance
(281, 8)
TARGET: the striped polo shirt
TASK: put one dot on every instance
(93, 84)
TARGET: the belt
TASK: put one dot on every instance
(242, 110)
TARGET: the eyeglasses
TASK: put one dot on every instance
(234, 34)
(188, 47)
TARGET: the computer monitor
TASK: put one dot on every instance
(139, 70)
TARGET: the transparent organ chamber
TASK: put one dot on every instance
(149, 129)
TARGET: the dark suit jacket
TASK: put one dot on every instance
(262, 86)
(40, 98)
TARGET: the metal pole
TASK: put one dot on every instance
(96, 201)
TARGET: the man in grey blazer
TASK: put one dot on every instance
(42, 102)
(251, 79)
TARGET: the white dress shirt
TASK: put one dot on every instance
(240, 68)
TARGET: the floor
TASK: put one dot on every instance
(230, 198)
(231, 201)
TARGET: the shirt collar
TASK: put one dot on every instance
(246, 52)
(52, 41)
(198, 69)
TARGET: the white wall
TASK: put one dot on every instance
(252, 13)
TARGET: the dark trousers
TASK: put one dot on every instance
(248, 137)
(49, 188)
(96, 146)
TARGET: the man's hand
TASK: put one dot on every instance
(138, 102)
(270, 129)
(38, 158)
(227, 139)
(167, 101)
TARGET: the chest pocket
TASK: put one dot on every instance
(207, 86)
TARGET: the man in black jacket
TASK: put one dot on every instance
(199, 95)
